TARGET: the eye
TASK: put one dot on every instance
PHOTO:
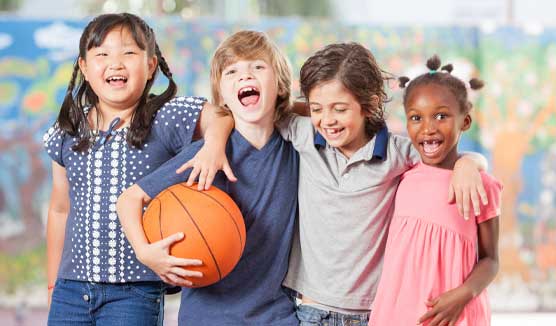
(130, 52)
(259, 67)
(440, 116)
(340, 109)
(101, 54)
(414, 118)
(229, 72)
(315, 109)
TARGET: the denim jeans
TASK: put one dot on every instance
(311, 316)
(105, 304)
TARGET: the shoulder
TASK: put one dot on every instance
(55, 143)
(490, 182)
(179, 110)
(182, 103)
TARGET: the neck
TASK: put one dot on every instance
(105, 115)
(256, 135)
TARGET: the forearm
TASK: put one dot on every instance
(482, 275)
(55, 232)
(215, 124)
(218, 131)
(130, 210)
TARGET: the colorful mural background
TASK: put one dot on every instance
(514, 127)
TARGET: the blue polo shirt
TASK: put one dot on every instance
(266, 193)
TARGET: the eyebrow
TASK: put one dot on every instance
(334, 103)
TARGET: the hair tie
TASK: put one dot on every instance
(432, 72)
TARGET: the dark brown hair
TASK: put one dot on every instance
(443, 78)
(79, 94)
(355, 67)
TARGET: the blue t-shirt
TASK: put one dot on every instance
(266, 193)
(95, 247)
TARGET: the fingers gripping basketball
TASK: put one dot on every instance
(211, 221)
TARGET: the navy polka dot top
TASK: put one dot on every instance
(95, 247)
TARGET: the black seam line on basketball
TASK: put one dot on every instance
(201, 233)
(229, 214)
(160, 218)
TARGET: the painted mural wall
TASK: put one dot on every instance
(514, 127)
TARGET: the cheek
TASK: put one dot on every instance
(315, 119)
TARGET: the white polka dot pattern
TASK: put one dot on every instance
(96, 248)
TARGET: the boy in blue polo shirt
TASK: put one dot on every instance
(252, 79)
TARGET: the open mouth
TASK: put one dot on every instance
(248, 95)
(430, 147)
(116, 80)
(332, 131)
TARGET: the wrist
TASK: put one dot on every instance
(468, 293)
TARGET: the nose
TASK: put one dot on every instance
(328, 118)
(430, 126)
(116, 63)
(246, 75)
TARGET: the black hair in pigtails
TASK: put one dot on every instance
(140, 123)
(79, 95)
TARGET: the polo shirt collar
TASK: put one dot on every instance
(380, 143)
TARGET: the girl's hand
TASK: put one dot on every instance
(205, 164)
(170, 269)
(446, 309)
(467, 184)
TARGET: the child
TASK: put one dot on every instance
(106, 138)
(437, 265)
(350, 166)
(252, 79)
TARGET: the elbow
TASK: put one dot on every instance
(131, 197)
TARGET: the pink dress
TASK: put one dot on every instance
(430, 249)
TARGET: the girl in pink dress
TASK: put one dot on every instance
(437, 265)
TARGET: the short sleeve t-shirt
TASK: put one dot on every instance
(252, 294)
(95, 247)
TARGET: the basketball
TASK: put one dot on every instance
(211, 221)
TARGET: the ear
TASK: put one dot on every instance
(373, 107)
(153, 64)
(83, 67)
(466, 122)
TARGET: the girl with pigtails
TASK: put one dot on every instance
(110, 132)
(437, 265)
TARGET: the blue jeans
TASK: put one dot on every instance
(106, 304)
(311, 316)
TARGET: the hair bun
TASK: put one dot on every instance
(476, 84)
(433, 63)
(403, 81)
(448, 68)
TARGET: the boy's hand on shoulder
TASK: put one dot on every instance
(170, 269)
(206, 163)
(466, 188)
(445, 309)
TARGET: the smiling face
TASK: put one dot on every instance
(435, 122)
(338, 117)
(118, 70)
(249, 89)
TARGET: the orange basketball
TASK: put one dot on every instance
(211, 221)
